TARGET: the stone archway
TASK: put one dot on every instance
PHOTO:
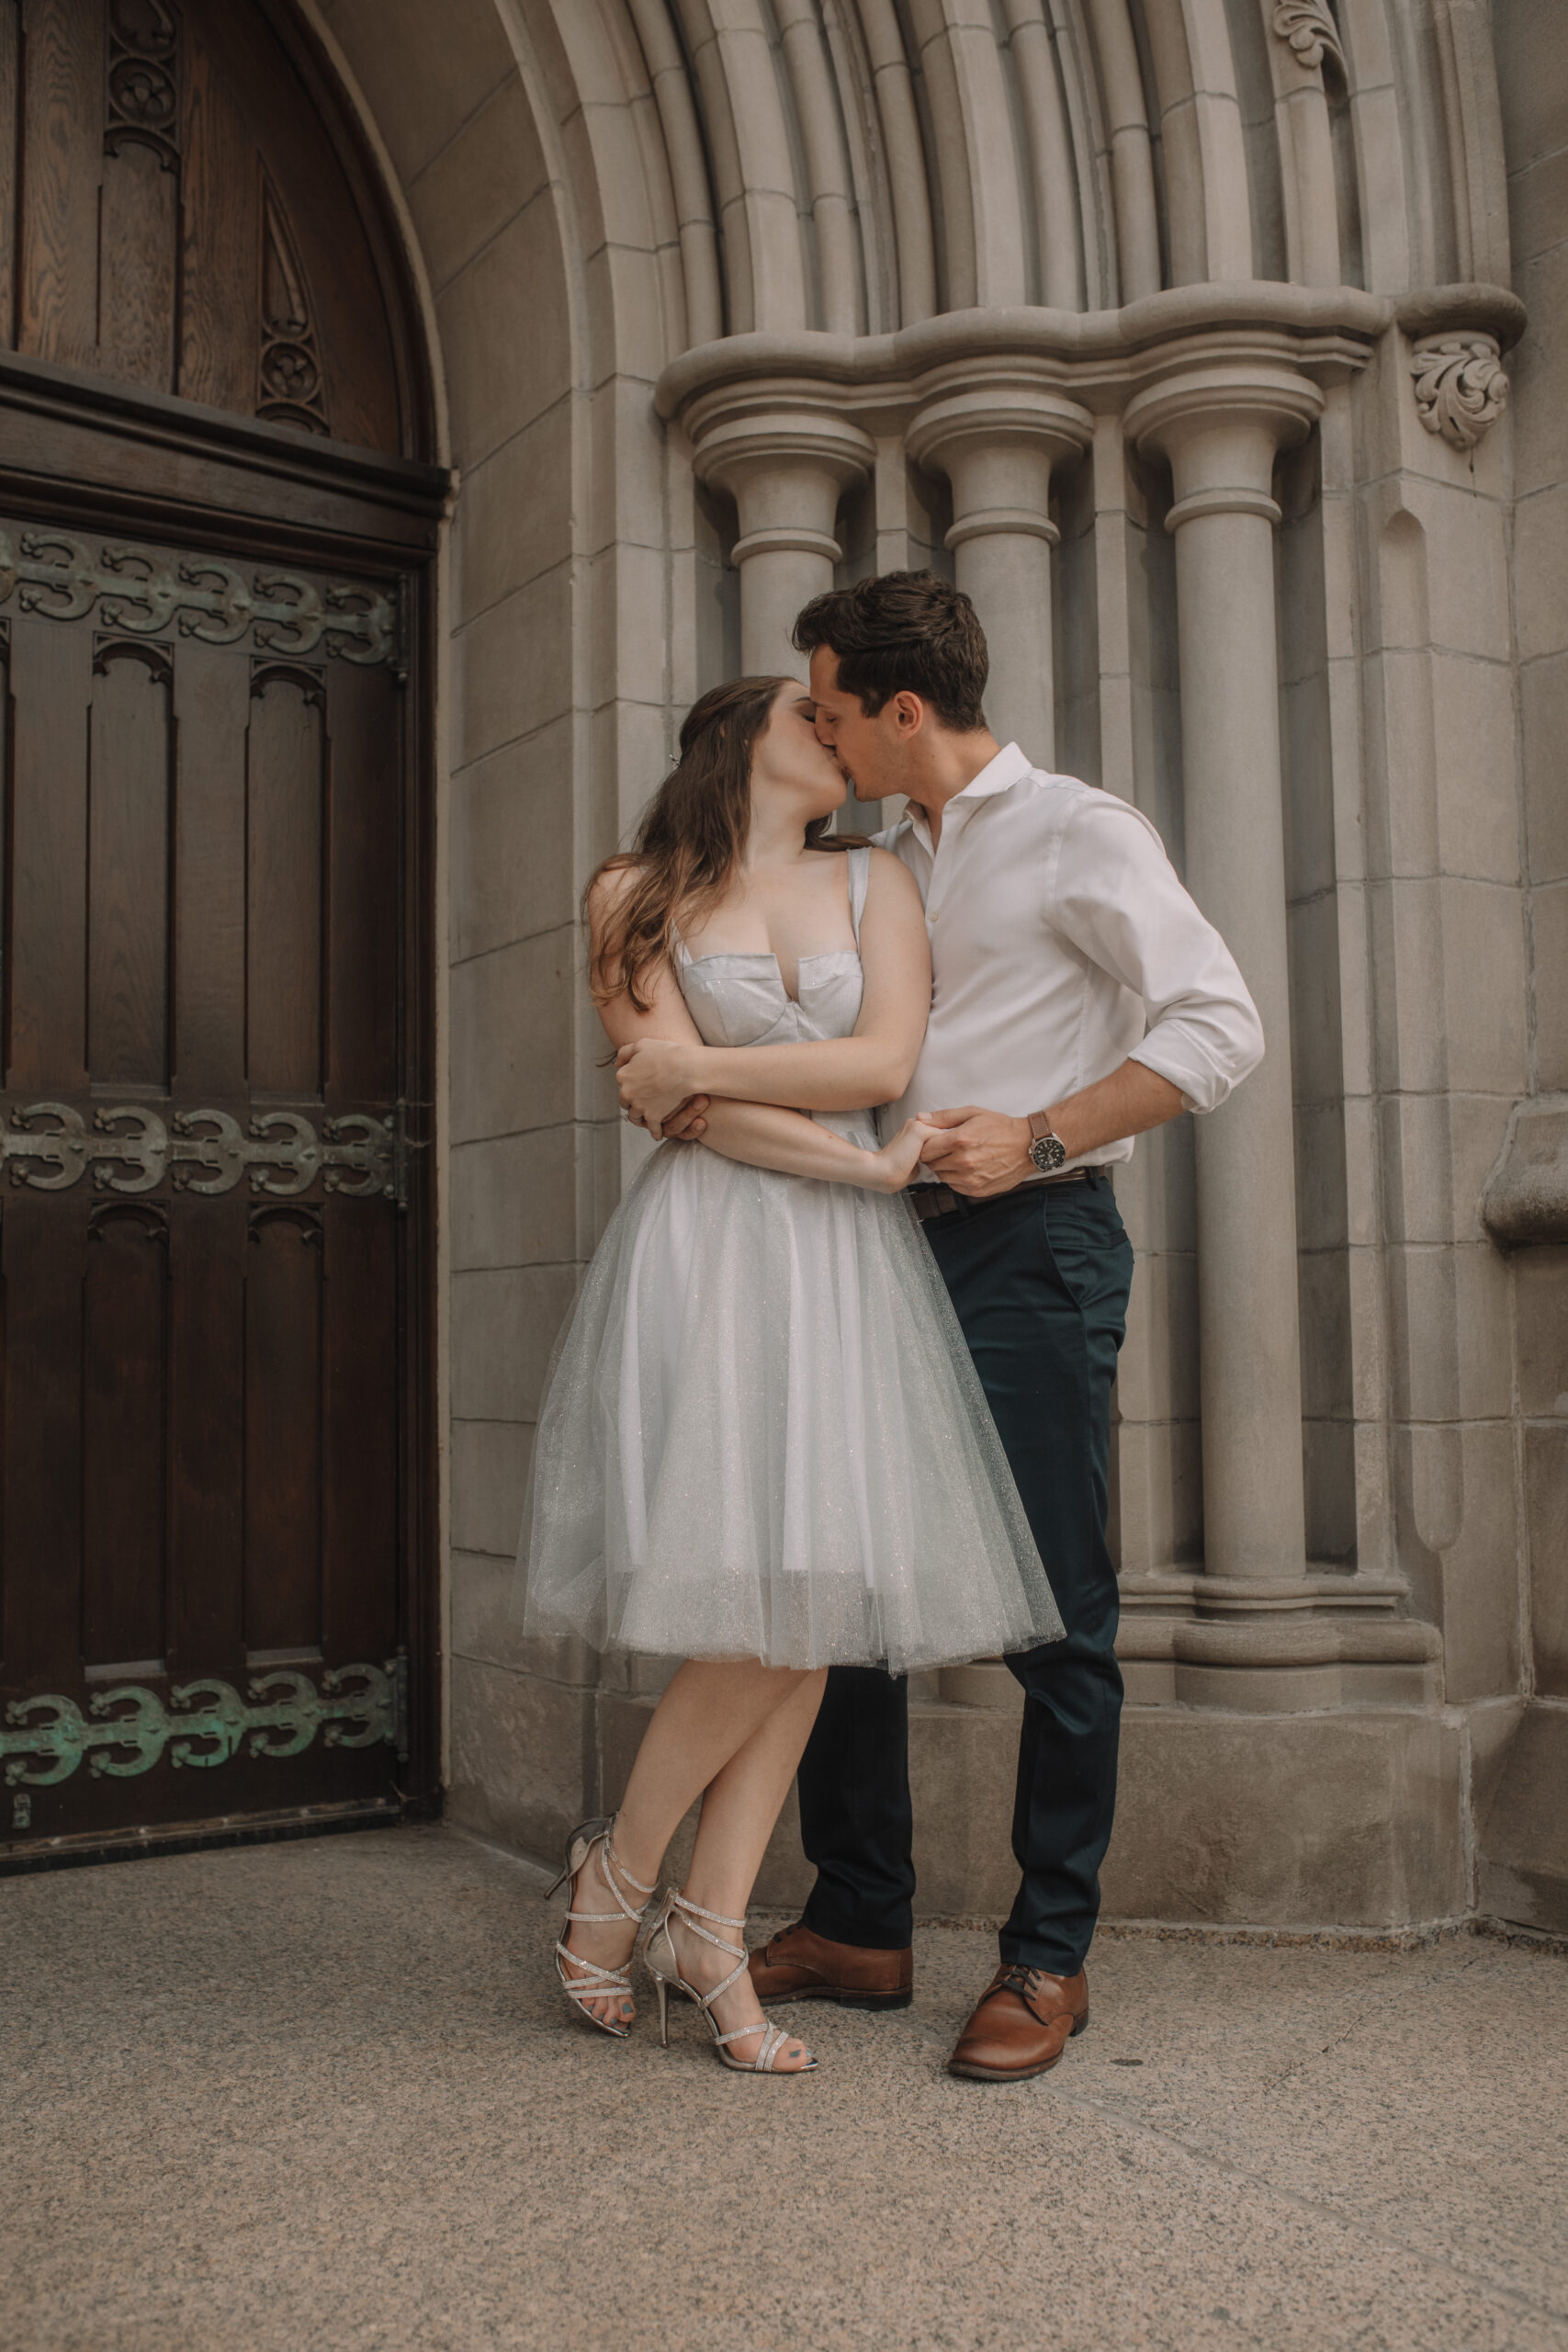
(1112, 308)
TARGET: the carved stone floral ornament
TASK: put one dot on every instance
(1310, 31)
(1461, 389)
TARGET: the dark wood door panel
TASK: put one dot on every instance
(206, 1463)
(362, 976)
(43, 1247)
(216, 1497)
(359, 1392)
(212, 714)
(125, 1363)
(203, 1509)
(45, 942)
(287, 831)
(284, 1500)
(59, 61)
(130, 809)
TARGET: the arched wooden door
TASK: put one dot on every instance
(216, 532)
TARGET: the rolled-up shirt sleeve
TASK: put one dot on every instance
(1117, 899)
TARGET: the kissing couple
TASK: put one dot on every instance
(834, 1400)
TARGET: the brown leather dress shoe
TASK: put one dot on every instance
(1022, 2023)
(798, 1965)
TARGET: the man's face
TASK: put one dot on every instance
(871, 751)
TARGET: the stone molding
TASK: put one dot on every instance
(1472, 307)
(819, 403)
(1098, 356)
(1001, 521)
(1275, 1645)
(788, 538)
(1460, 387)
(1526, 1199)
(1234, 501)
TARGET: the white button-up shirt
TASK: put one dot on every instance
(1062, 942)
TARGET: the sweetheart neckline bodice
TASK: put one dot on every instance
(766, 956)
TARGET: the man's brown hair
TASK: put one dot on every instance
(909, 631)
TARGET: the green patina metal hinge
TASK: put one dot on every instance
(355, 1706)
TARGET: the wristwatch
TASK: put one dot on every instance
(1046, 1150)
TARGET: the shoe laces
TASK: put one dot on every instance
(1016, 1977)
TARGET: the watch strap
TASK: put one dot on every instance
(1039, 1125)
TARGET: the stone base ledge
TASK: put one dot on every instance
(1191, 1592)
(1523, 1838)
(1280, 1664)
(1252, 1647)
(1255, 1821)
(1226, 1817)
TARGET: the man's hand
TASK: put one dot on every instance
(979, 1153)
(686, 1122)
(655, 1079)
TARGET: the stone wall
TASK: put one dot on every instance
(1524, 1821)
(1174, 331)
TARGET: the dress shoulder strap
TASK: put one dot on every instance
(860, 878)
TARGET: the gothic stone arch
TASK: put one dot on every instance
(1179, 331)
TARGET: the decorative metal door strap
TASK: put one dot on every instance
(284, 1718)
(141, 592)
(282, 1151)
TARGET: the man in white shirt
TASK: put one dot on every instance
(1078, 998)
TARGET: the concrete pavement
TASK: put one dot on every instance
(326, 2094)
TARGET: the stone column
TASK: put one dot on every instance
(996, 433)
(785, 465)
(1220, 426)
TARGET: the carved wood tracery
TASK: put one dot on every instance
(291, 388)
(142, 88)
(173, 214)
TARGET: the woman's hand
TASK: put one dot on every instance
(656, 1077)
(897, 1160)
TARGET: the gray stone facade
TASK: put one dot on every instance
(1210, 344)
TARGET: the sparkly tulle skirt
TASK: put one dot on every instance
(763, 1436)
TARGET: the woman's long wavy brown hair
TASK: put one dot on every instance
(691, 838)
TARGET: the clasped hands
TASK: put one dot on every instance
(978, 1152)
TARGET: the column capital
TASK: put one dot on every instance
(996, 430)
(1221, 423)
(785, 452)
(994, 400)
(737, 430)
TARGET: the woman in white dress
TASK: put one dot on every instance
(763, 1448)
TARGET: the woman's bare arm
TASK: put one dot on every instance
(853, 1073)
(761, 1134)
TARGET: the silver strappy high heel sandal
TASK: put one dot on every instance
(593, 1983)
(773, 2039)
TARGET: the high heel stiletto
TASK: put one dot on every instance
(596, 1983)
(773, 2039)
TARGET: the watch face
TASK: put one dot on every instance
(1048, 1152)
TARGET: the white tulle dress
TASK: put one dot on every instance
(762, 1434)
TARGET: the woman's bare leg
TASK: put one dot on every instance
(706, 1718)
(739, 1808)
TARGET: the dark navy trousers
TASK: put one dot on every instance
(1040, 1280)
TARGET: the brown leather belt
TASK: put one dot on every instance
(940, 1200)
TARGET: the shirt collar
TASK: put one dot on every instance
(999, 774)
